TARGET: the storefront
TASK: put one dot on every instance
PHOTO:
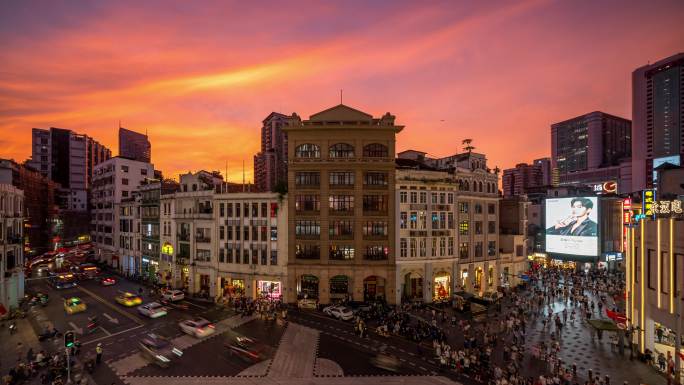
(442, 286)
(478, 278)
(204, 285)
(339, 287)
(269, 289)
(567, 265)
(464, 278)
(373, 288)
(413, 286)
(149, 268)
(238, 287)
(185, 278)
(308, 286)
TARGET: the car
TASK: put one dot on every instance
(245, 348)
(108, 281)
(128, 299)
(153, 310)
(159, 350)
(307, 303)
(74, 305)
(358, 306)
(340, 312)
(198, 327)
(173, 295)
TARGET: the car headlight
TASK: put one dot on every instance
(162, 358)
(177, 352)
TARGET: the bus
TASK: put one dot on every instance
(86, 271)
(62, 280)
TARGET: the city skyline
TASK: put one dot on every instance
(201, 86)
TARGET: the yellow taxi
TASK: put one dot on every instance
(74, 305)
(128, 299)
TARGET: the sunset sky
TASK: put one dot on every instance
(200, 76)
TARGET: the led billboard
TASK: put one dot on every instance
(572, 226)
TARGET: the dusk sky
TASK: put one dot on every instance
(200, 77)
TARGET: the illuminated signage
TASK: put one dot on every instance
(167, 249)
(648, 197)
(609, 187)
(627, 217)
(667, 208)
(627, 204)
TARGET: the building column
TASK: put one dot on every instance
(455, 277)
(484, 286)
(399, 284)
(428, 282)
(471, 278)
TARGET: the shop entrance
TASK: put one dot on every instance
(373, 288)
(308, 286)
(442, 286)
(339, 287)
(413, 286)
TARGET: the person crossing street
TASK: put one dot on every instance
(98, 352)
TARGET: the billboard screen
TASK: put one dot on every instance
(572, 226)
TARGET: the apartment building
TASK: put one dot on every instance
(127, 220)
(113, 180)
(11, 246)
(341, 181)
(447, 226)
(514, 242)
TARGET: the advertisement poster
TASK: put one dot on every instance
(572, 226)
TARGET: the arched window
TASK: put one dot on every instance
(341, 150)
(375, 150)
(480, 184)
(307, 150)
(466, 185)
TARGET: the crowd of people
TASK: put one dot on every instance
(45, 368)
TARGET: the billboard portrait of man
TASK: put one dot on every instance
(577, 223)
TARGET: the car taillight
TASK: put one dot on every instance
(199, 330)
(211, 326)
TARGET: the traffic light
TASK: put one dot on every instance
(69, 339)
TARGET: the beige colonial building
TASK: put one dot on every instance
(11, 245)
(341, 200)
(447, 226)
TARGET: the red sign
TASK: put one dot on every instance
(627, 217)
(627, 204)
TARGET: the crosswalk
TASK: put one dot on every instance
(136, 361)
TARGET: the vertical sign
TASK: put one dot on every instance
(647, 200)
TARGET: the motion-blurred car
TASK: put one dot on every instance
(128, 299)
(159, 350)
(339, 312)
(198, 327)
(173, 295)
(108, 281)
(245, 348)
(307, 303)
(152, 310)
(74, 305)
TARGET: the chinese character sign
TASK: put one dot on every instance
(649, 197)
(667, 208)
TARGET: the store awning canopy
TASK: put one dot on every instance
(602, 324)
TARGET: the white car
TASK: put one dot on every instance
(173, 295)
(152, 310)
(198, 327)
(339, 312)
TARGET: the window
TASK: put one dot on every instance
(423, 197)
(274, 233)
(433, 249)
(307, 178)
(450, 220)
(342, 178)
(143, 171)
(375, 203)
(222, 209)
(413, 246)
(434, 198)
(124, 168)
(304, 251)
(450, 198)
(376, 252)
(222, 232)
(229, 233)
(413, 220)
(450, 247)
(229, 210)
(422, 243)
(307, 228)
(491, 208)
(306, 203)
(238, 210)
(222, 255)
(402, 248)
(478, 208)
(124, 193)
(442, 246)
(341, 253)
(307, 150)
(203, 255)
(491, 227)
(375, 228)
(245, 257)
(403, 197)
(403, 218)
(245, 211)
(491, 248)
(375, 178)
(341, 150)
(264, 210)
(274, 257)
(264, 257)
(414, 197)
(341, 228)
(463, 228)
(341, 203)
(463, 250)
(124, 181)
(463, 207)
(478, 249)
(478, 227)
(255, 210)
(375, 150)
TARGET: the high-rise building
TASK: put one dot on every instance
(341, 205)
(66, 157)
(41, 212)
(270, 164)
(545, 165)
(658, 116)
(517, 181)
(592, 148)
(113, 180)
(134, 145)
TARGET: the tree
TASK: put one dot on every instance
(468, 145)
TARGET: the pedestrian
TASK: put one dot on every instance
(98, 351)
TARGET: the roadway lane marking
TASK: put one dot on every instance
(113, 335)
(105, 330)
(76, 328)
(195, 305)
(109, 305)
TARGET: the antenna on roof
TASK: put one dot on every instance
(340, 96)
(243, 175)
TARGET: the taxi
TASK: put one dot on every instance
(74, 305)
(128, 299)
